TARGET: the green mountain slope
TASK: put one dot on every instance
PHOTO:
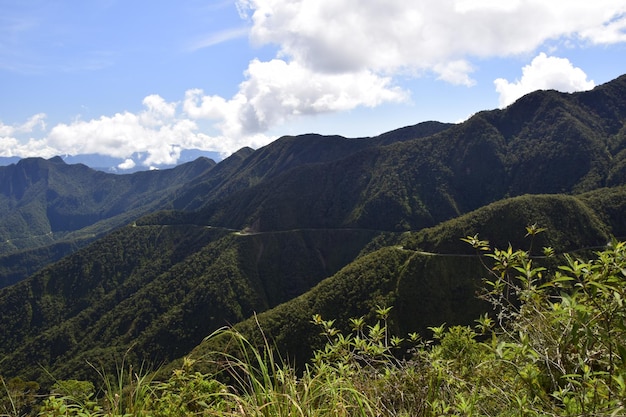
(160, 289)
(547, 142)
(18, 265)
(430, 277)
(43, 202)
(48, 197)
(248, 168)
(311, 224)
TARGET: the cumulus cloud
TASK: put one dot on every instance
(396, 35)
(127, 164)
(155, 136)
(456, 72)
(612, 31)
(156, 131)
(11, 145)
(34, 122)
(278, 90)
(157, 109)
(336, 56)
(543, 73)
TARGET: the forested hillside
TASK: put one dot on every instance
(160, 289)
(306, 225)
(49, 208)
(431, 276)
(547, 142)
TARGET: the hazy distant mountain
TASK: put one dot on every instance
(44, 202)
(113, 165)
(308, 224)
(50, 208)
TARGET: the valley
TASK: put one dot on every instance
(97, 267)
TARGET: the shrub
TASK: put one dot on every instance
(554, 345)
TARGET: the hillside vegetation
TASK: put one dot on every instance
(160, 289)
(49, 209)
(313, 225)
(431, 276)
(547, 142)
(554, 345)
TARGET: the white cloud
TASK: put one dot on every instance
(6, 130)
(612, 31)
(159, 134)
(395, 35)
(156, 131)
(157, 111)
(277, 90)
(336, 56)
(464, 6)
(34, 122)
(127, 164)
(456, 72)
(543, 73)
(10, 145)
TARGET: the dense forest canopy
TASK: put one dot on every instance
(102, 269)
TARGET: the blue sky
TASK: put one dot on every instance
(143, 81)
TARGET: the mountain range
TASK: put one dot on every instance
(101, 266)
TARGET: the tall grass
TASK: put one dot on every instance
(127, 391)
(561, 351)
(251, 381)
(264, 384)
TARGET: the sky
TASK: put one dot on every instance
(144, 81)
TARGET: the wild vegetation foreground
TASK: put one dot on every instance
(554, 344)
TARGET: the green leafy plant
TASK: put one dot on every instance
(560, 341)
(553, 345)
(17, 396)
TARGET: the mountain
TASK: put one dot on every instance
(547, 142)
(159, 288)
(51, 208)
(48, 202)
(311, 224)
(284, 155)
(162, 289)
(430, 276)
(112, 164)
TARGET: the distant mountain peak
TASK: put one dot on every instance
(57, 160)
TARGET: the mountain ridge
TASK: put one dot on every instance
(449, 173)
(44, 202)
(328, 225)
